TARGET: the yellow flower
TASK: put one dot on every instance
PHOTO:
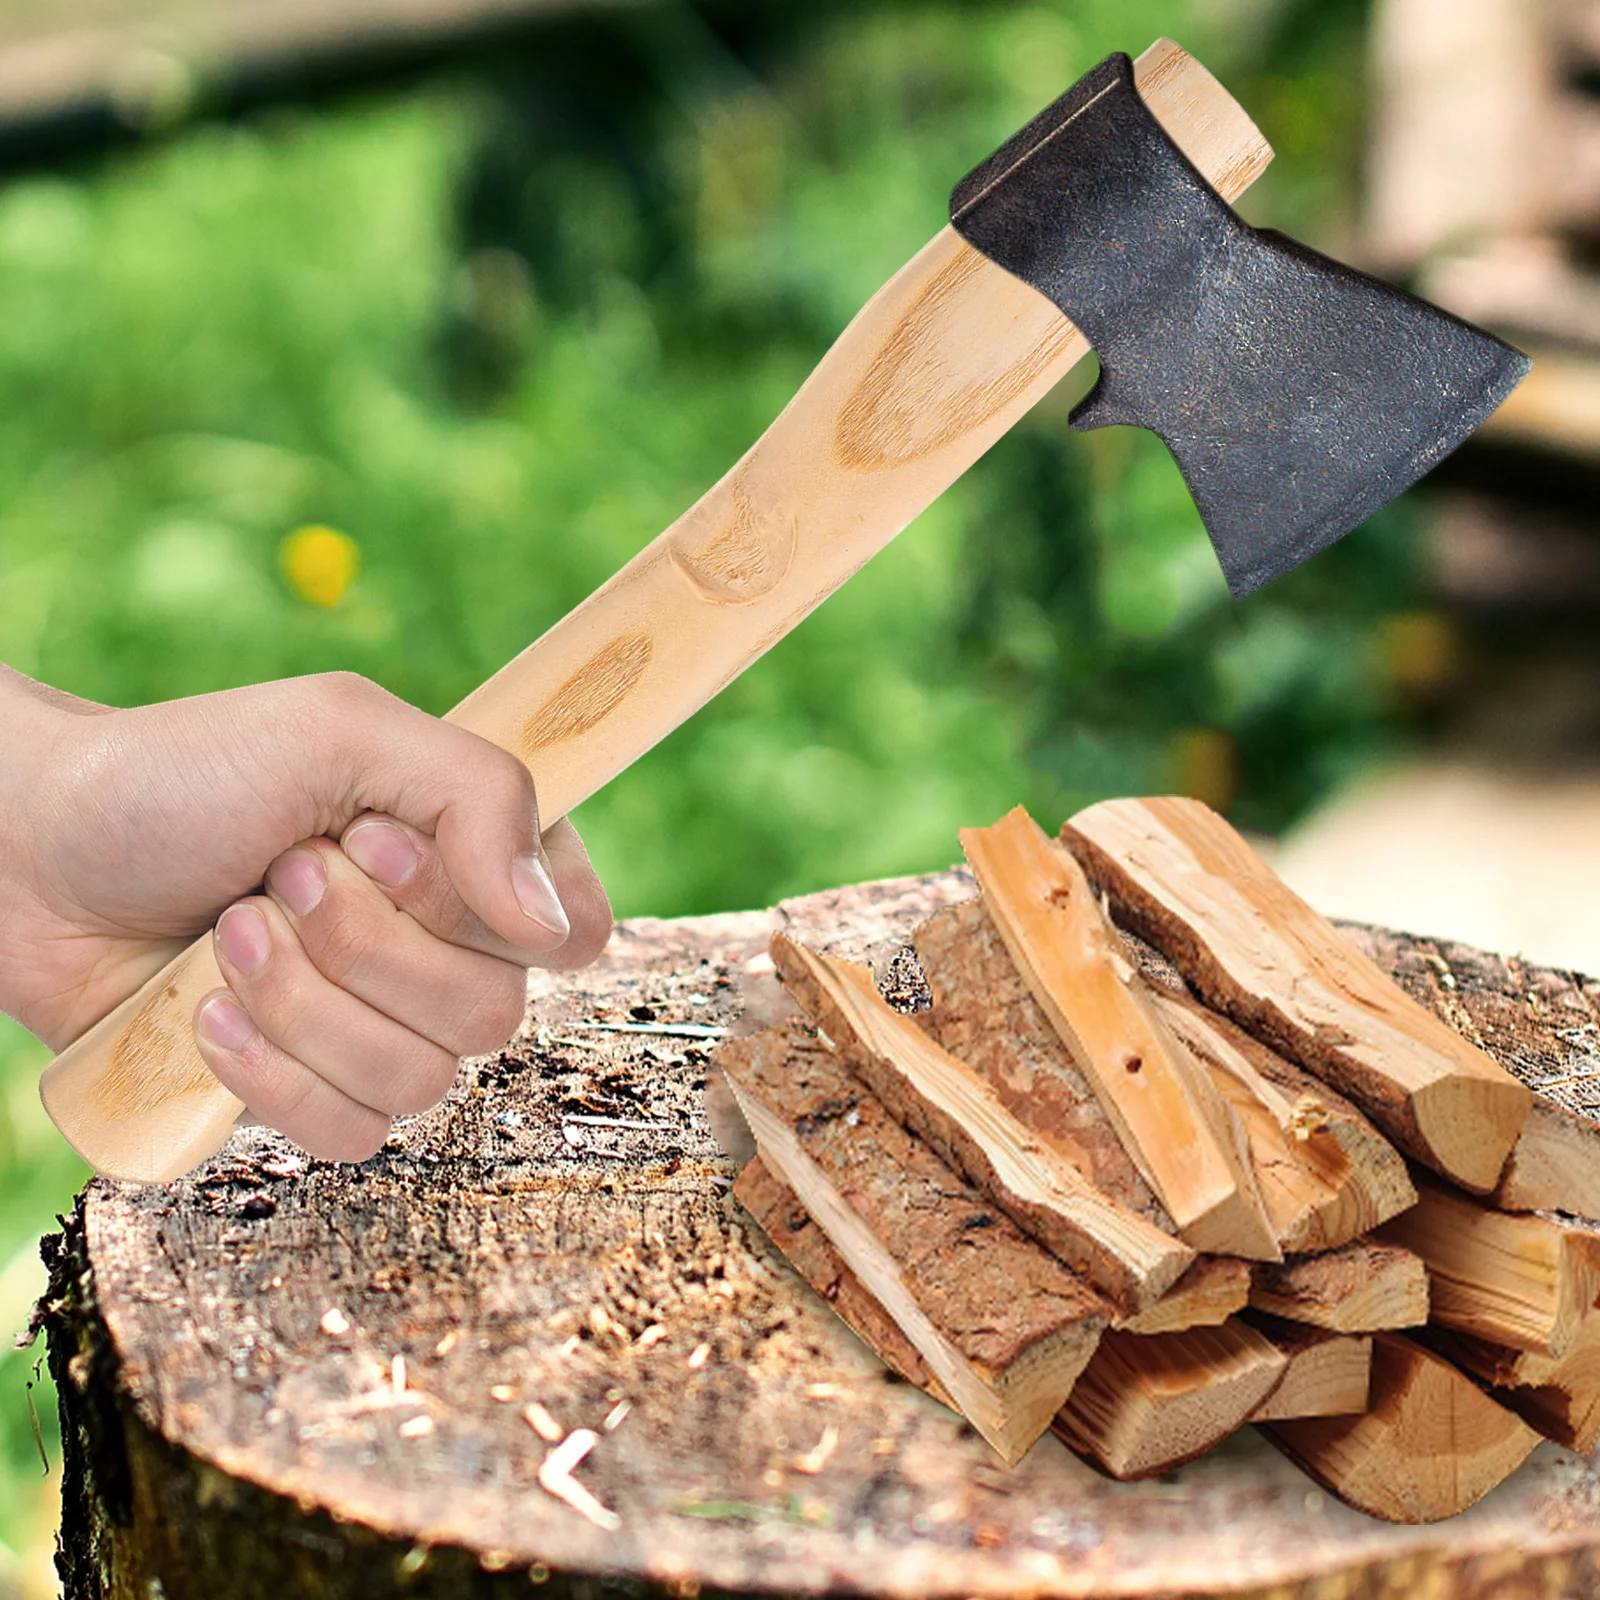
(320, 564)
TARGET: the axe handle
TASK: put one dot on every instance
(940, 363)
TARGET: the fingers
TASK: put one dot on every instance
(280, 1091)
(369, 1058)
(411, 869)
(462, 999)
(473, 799)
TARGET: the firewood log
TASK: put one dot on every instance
(1522, 1280)
(787, 1223)
(960, 1117)
(1328, 1374)
(1358, 1288)
(1326, 1175)
(1146, 1404)
(1430, 1444)
(1207, 1294)
(1175, 1125)
(1004, 1326)
(985, 1014)
(1559, 1397)
(1554, 1165)
(1180, 877)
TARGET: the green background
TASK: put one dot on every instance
(501, 326)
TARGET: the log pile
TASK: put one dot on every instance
(1158, 1152)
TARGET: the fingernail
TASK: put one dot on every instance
(300, 880)
(383, 852)
(244, 938)
(226, 1023)
(536, 894)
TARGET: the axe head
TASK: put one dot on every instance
(1297, 395)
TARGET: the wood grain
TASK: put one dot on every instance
(1171, 1119)
(1327, 1375)
(1358, 1288)
(1430, 1444)
(959, 1116)
(935, 368)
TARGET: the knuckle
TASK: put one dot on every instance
(421, 1085)
(343, 944)
(497, 1015)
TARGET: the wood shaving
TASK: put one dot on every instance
(555, 1477)
(816, 1458)
(542, 1423)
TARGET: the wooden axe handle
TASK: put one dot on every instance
(940, 363)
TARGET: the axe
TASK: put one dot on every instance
(1297, 395)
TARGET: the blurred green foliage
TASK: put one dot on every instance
(501, 330)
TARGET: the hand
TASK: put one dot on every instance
(406, 888)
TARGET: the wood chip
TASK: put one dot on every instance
(699, 1356)
(447, 1343)
(617, 1415)
(504, 1393)
(542, 1422)
(415, 1427)
(334, 1323)
(652, 1335)
(555, 1477)
(816, 1458)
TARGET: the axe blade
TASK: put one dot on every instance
(1297, 394)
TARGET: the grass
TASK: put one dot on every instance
(496, 333)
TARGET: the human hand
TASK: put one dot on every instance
(407, 888)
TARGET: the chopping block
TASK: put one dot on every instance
(536, 1341)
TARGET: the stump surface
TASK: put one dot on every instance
(236, 1426)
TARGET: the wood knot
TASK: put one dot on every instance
(590, 695)
(732, 548)
(1134, 1063)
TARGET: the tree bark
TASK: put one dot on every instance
(236, 1427)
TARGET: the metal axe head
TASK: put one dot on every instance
(1297, 395)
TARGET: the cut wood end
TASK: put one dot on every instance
(1359, 1288)
(1430, 1444)
(1470, 1124)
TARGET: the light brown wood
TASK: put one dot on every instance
(986, 1015)
(1559, 1397)
(1430, 1445)
(935, 368)
(1328, 1374)
(962, 1119)
(1146, 1405)
(1521, 1280)
(786, 1222)
(1359, 1288)
(1177, 1128)
(1003, 1325)
(1555, 1163)
(1186, 881)
(1206, 1295)
(1324, 1172)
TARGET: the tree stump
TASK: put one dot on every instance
(287, 1378)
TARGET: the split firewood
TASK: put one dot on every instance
(1180, 877)
(1207, 1294)
(1328, 1373)
(1003, 1325)
(1359, 1288)
(1559, 1397)
(1555, 1163)
(1177, 1128)
(1522, 1280)
(785, 1221)
(961, 1118)
(1325, 1174)
(1144, 1405)
(1430, 1444)
(985, 1014)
